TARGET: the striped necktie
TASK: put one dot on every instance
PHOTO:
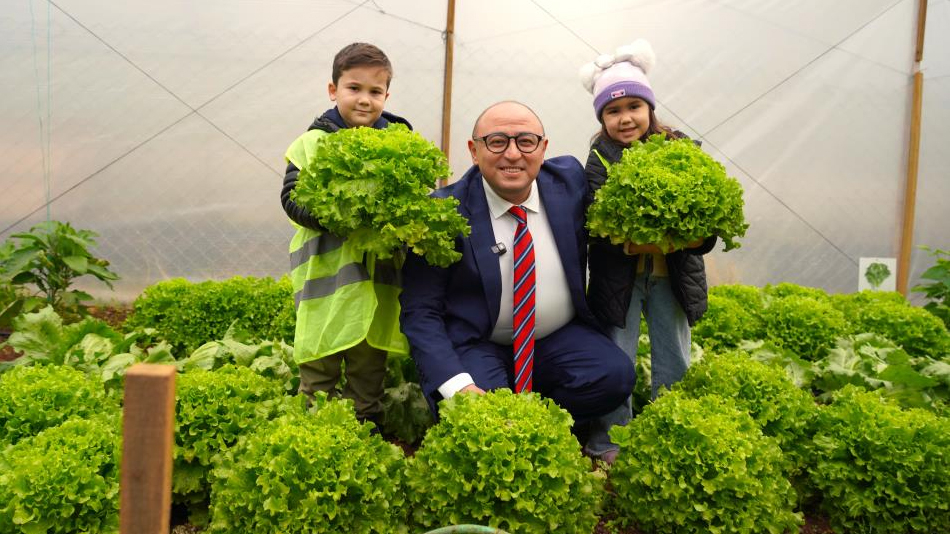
(523, 321)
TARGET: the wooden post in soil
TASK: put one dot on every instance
(913, 156)
(147, 440)
(447, 83)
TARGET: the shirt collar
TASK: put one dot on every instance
(499, 206)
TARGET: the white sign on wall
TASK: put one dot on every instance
(878, 274)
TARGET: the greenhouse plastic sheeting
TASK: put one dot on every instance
(162, 126)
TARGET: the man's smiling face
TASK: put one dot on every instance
(511, 173)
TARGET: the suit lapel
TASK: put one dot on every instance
(481, 239)
(559, 212)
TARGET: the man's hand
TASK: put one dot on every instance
(472, 388)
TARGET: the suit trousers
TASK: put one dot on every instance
(577, 366)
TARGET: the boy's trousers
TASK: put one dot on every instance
(365, 374)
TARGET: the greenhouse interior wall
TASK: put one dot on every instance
(162, 125)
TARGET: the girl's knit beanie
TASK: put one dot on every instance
(619, 75)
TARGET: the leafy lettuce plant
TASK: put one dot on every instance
(667, 193)
(271, 359)
(63, 480)
(801, 372)
(504, 460)
(749, 296)
(882, 469)
(90, 346)
(406, 413)
(937, 287)
(310, 473)
(373, 186)
(781, 409)
(850, 304)
(36, 398)
(697, 466)
(919, 332)
(189, 315)
(726, 323)
(213, 409)
(804, 325)
(872, 362)
(787, 289)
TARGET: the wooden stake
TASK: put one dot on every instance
(921, 25)
(447, 82)
(148, 429)
(913, 158)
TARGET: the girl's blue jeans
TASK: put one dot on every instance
(669, 349)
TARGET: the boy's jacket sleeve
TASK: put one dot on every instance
(297, 155)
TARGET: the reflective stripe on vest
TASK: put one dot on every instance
(315, 246)
(321, 287)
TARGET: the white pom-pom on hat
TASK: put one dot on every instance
(639, 52)
(587, 73)
(604, 61)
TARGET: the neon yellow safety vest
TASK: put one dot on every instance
(342, 295)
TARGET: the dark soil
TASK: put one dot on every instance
(408, 449)
(813, 525)
(6, 352)
(816, 525)
(114, 315)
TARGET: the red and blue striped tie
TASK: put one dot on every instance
(523, 321)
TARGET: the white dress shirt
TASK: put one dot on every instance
(553, 305)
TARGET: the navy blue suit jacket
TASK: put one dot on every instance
(447, 308)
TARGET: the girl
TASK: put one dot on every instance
(668, 286)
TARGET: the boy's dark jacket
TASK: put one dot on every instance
(612, 271)
(330, 121)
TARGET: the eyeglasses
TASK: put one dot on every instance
(498, 142)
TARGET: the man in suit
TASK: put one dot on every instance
(512, 313)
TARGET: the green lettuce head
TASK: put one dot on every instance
(667, 193)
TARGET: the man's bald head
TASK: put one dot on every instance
(503, 107)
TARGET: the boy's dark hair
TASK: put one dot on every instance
(360, 55)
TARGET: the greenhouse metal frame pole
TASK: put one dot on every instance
(913, 158)
(447, 82)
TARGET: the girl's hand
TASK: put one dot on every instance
(633, 249)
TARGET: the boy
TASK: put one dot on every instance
(347, 301)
